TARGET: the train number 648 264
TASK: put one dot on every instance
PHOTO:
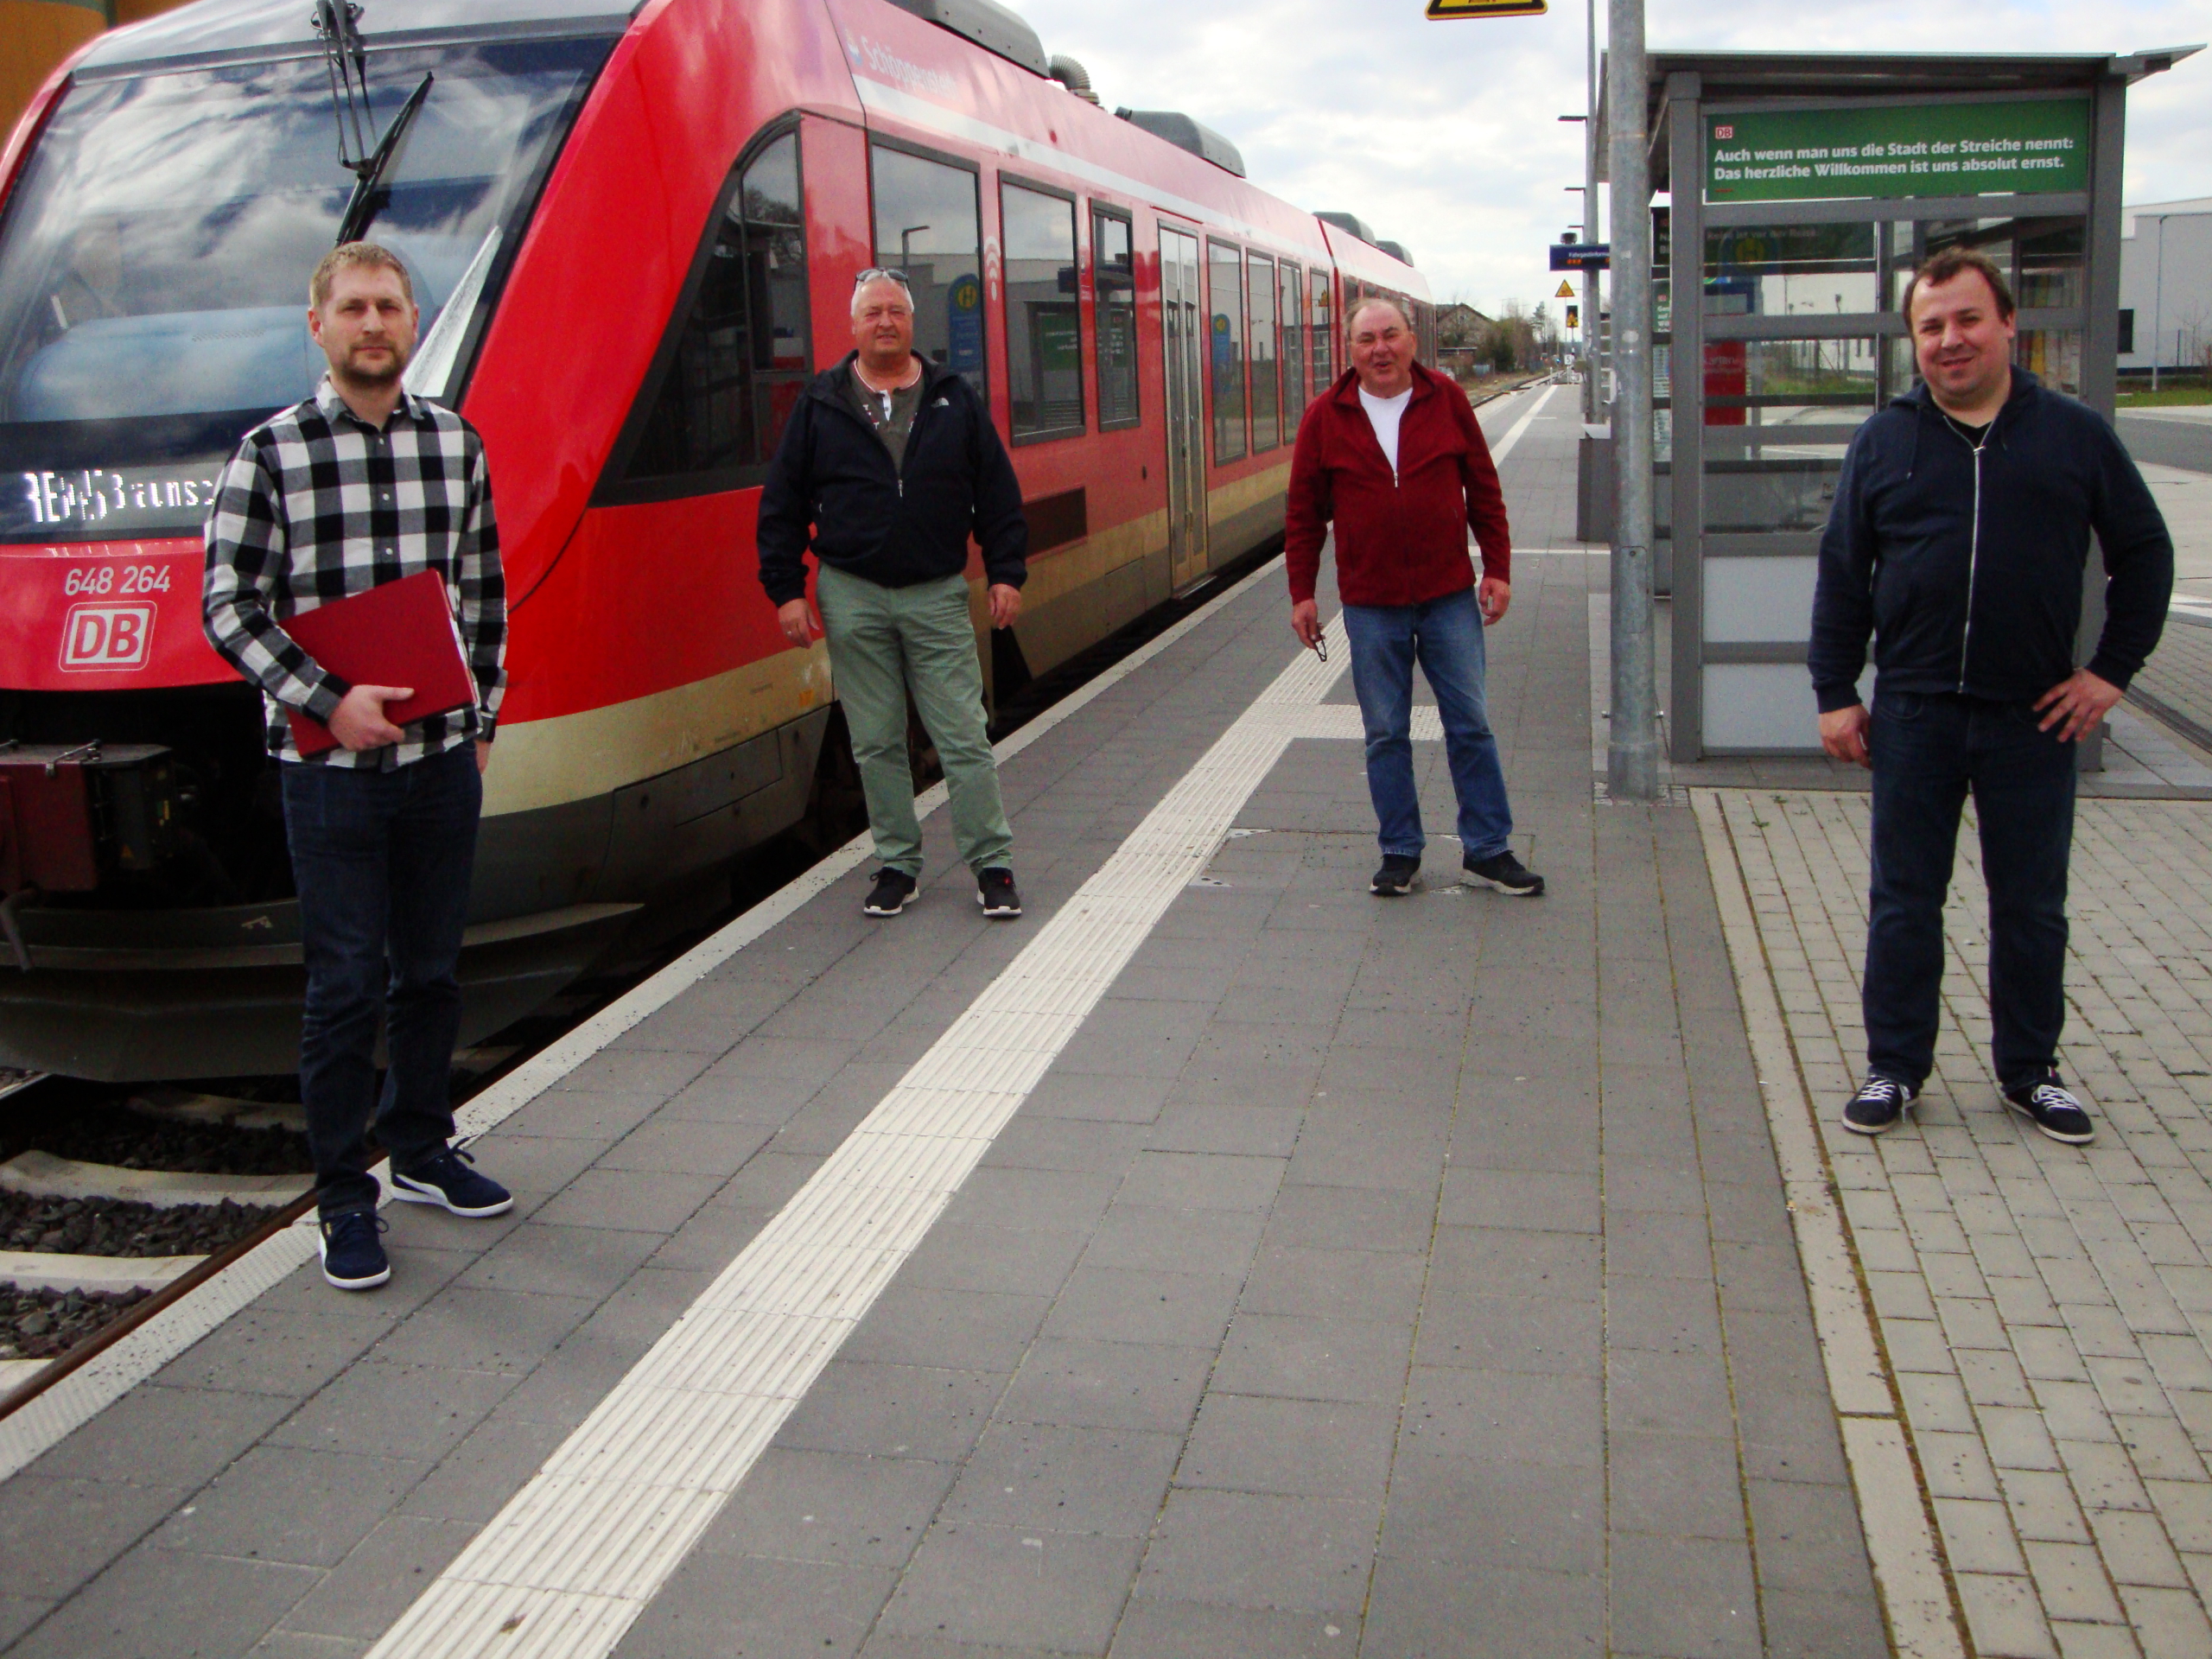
(117, 579)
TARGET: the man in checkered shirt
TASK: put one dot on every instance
(361, 485)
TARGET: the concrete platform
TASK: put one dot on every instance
(1218, 1261)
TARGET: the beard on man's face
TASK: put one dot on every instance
(376, 364)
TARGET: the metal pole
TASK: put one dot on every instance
(1632, 750)
(1590, 229)
(2158, 304)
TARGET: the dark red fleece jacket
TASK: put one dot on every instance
(1401, 540)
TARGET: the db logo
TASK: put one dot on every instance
(107, 636)
(1724, 132)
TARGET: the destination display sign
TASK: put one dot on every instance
(104, 502)
(1582, 256)
(2031, 146)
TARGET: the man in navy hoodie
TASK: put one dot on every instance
(1959, 537)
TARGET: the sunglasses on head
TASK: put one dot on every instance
(882, 273)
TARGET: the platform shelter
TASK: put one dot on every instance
(1801, 192)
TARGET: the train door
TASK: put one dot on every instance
(1183, 327)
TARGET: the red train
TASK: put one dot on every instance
(634, 235)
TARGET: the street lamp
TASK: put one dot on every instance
(2158, 296)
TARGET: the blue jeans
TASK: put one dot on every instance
(1929, 753)
(382, 860)
(1446, 636)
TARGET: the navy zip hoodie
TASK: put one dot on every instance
(1968, 569)
(891, 525)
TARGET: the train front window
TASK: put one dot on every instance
(154, 256)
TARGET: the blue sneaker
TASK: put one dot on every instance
(352, 1255)
(448, 1181)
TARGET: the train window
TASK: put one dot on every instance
(928, 224)
(1325, 365)
(1225, 330)
(743, 355)
(1114, 278)
(1044, 314)
(154, 256)
(1266, 396)
(1292, 313)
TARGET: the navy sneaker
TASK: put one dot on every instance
(1396, 878)
(892, 891)
(2048, 1104)
(1507, 874)
(1878, 1104)
(353, 1255)
(995, 892)
(448, 1181)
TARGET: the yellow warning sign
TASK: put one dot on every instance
(1444, 10)
(1565, 291)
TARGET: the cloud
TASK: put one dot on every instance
(1445, 136)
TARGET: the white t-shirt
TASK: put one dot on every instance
(1383, 414)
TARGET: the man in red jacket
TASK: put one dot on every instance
(1393, 456)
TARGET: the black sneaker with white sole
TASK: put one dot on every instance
(353, 1255)
(1396, 878)
(447, 1180)
(995, 892)
(1506, 874)
(1878, 1104)
(2050, 1106)
(892, 891)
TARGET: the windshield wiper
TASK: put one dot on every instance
(347, 56)
(364, 206)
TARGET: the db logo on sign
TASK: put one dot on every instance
(107, 636)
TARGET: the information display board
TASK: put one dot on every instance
(2029, 146)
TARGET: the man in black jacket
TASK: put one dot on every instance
(892, 461)
(1959, 537)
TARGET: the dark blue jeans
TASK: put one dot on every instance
(1446, 637)
(1929, 753)
(382, 860)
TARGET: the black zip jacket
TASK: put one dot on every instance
(1968, 569)
(893, 526)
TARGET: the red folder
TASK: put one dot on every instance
(402, 633)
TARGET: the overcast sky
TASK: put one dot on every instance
(1445, 136)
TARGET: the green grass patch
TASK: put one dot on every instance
(2171, 394)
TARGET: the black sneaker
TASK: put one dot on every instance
(2046, 1102)
(995, 892)
(1396, 878)
(892, 891)
(1878, 1104)
(1506, 874)
(352, 1255)
(448, 1181)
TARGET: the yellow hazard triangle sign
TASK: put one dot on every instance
(1565, 292)
(1444, 10)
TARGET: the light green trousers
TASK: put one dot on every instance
(885, 642)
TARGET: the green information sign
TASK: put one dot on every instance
(2033, 146)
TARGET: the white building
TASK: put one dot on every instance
(2165, 283)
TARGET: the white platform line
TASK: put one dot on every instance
(585, 1546)
(1504, 445)
(97, 1384)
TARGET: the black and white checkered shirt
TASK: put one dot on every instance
(318, 504)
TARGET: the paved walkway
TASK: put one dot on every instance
(1399, 1278)
(1219, 1262)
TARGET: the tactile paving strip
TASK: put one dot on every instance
(582, 1548)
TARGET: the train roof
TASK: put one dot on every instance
(212, 31)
